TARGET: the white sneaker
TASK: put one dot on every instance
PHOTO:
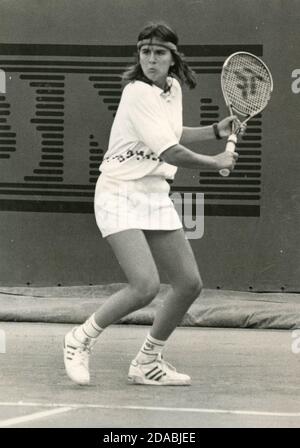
(76, 358)
(156, 373)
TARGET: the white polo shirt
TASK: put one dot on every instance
(148, 122)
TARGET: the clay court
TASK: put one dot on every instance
(61, 67)
(241, 378)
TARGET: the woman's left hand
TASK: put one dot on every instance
(228, 124)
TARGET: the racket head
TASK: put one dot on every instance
(246, 83)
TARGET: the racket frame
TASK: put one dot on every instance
(232, 139)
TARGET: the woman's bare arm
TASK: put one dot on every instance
(181, 156)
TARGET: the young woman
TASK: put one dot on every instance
(135, 213)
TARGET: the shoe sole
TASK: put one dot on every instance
(136, 380)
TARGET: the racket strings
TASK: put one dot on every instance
(246, 83)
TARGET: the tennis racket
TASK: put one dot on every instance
(247, 85)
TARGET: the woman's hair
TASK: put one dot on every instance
(180, 69)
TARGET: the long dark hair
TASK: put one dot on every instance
(179, 70)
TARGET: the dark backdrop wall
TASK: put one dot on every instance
(62, 60)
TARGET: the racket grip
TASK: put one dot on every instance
(230, 146)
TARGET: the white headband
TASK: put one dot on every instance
(168, 45)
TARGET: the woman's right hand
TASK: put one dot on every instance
(226, 159)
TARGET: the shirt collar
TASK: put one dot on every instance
(170, 93)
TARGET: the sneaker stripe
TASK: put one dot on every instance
(159, 377)
(70, 346)
(151, 371)
(154, 376)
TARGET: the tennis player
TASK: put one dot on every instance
(135, 213)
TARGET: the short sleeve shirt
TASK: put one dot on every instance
(148, 122)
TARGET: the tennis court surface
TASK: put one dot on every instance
(241, 378)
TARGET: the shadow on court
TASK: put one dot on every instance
(241, 378)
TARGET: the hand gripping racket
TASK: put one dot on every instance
(247, 85)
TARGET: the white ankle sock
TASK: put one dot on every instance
(149, 350)
(89, 329)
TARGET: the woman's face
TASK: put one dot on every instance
(156, 61)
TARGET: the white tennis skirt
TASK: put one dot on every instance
(134, 204)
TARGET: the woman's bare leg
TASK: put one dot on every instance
(174, 254)
(134, 256)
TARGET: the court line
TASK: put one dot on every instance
(34, 416)
(152, 408)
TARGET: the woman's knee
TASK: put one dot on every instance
(191, 286)
(145, 290)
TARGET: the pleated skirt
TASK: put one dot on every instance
(134, 204)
